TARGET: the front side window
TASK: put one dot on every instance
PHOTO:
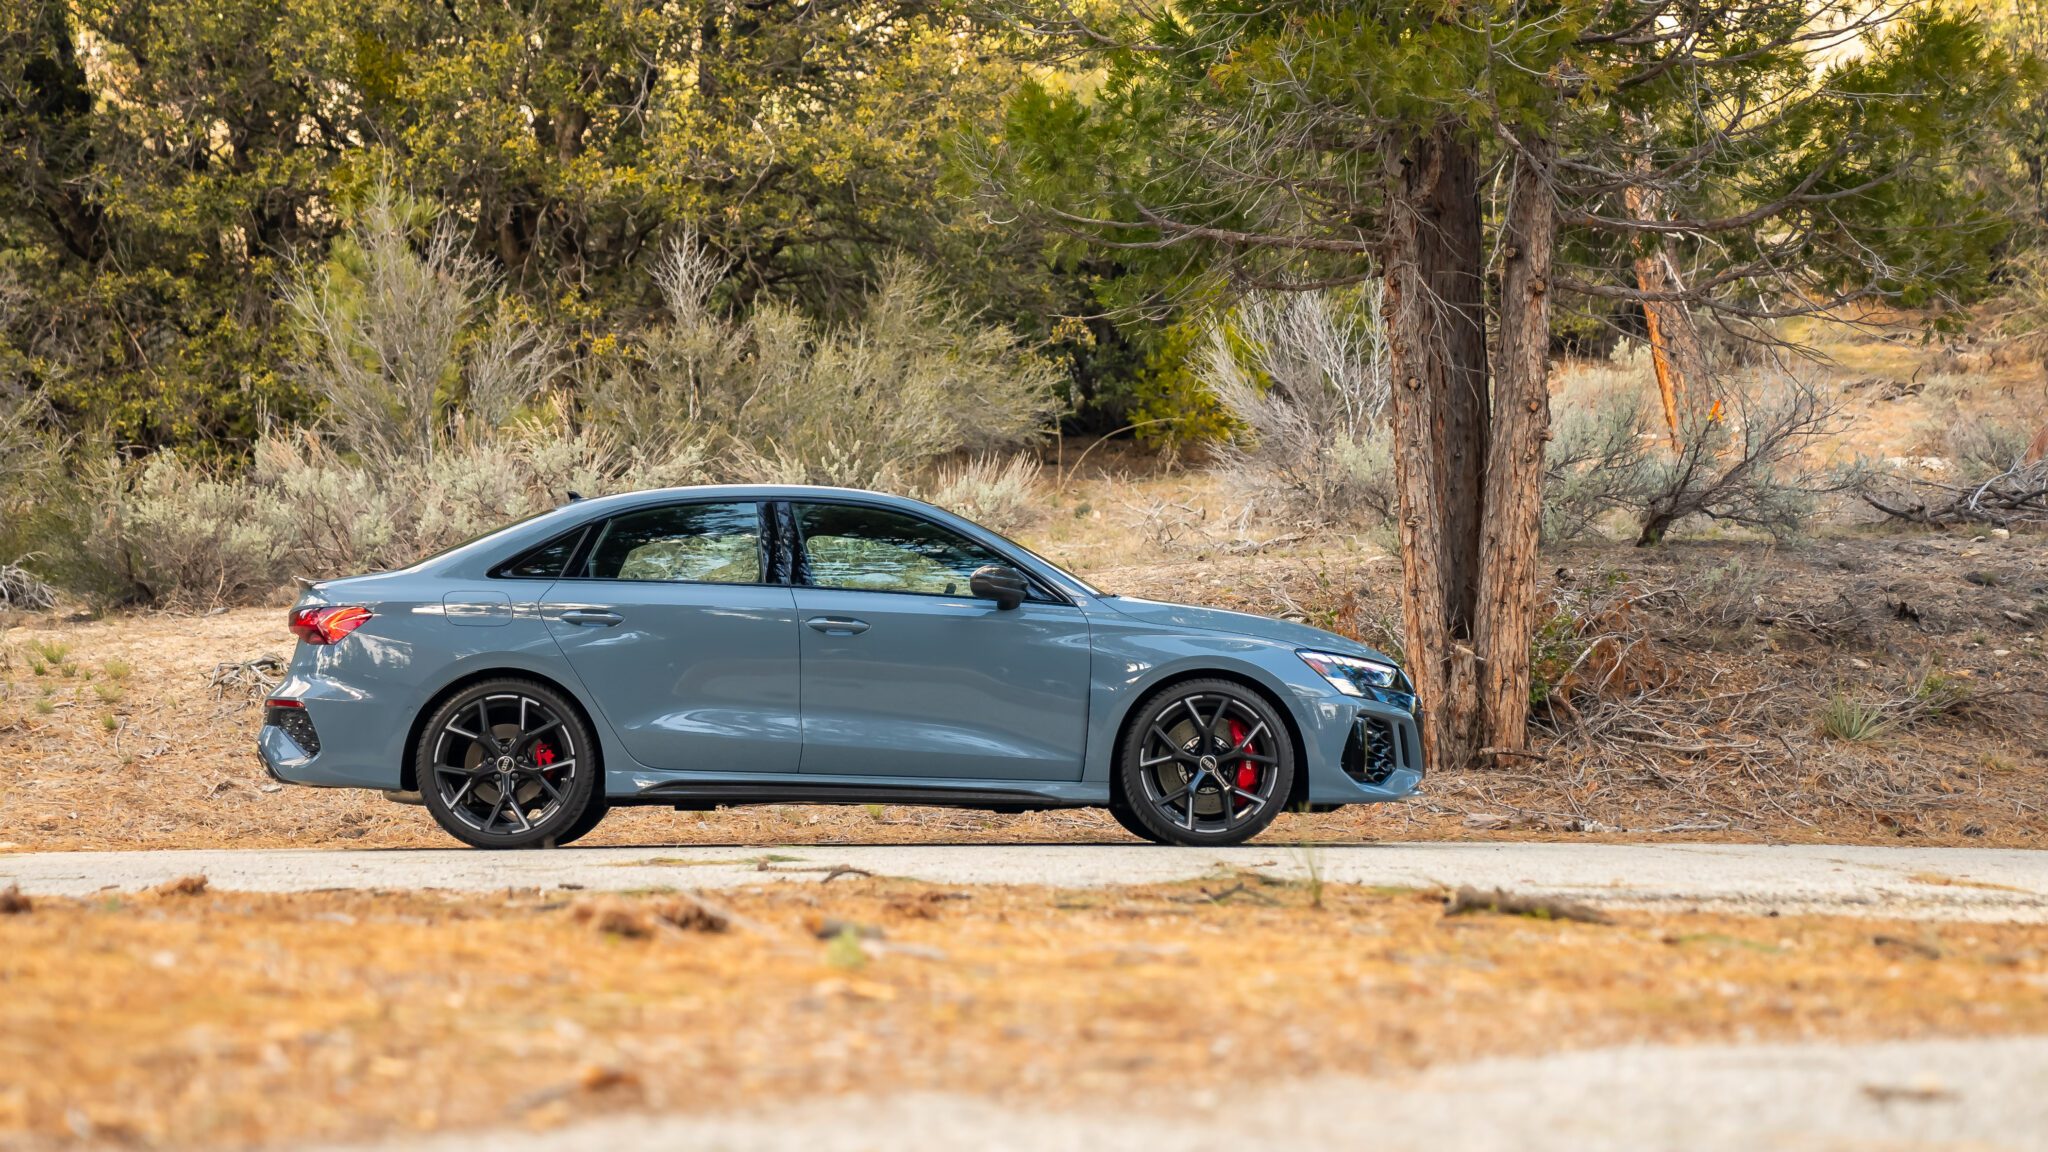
(697, 543)
(876, 550)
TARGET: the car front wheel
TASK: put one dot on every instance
(510, 764)
(1205, 762)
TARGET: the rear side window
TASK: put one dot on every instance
(547, 561)
(696, 543)
(876, 550)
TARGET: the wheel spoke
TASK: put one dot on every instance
(526, 738)
(1177, 752)
(489, 738)
(455, 801)
(1246, 743)
(1212, 736)
(552, 790)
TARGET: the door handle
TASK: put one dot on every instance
(600, 616)
(838, 625)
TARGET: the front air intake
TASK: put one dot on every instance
(1378, 748)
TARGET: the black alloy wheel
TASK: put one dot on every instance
(510, 764)
(1205, 762)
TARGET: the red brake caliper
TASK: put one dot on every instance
(1247, 772)
(543, 753)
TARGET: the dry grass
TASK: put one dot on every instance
(1691, 689)
(229, 1019)
(1686, 688)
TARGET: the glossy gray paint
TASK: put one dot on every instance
(707, 683)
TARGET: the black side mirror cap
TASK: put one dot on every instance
(1005, 586)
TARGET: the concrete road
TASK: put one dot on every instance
(1975, 1095)
(1935, 883)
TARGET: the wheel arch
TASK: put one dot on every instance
(408, 771)
(1297, 793)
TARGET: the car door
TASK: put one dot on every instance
(906, 674)
(686, 638)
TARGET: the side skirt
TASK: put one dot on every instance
(712, 793)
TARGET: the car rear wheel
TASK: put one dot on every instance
(510, 764)
(1205, 762)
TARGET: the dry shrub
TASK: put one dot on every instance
(1002, 492)
(22, 589)
(870, 403)
(1598, 457)
(1743, 444)
(402, 330)
(1989, 470)
(189, 536)
(1305, 374)
(1592, 646)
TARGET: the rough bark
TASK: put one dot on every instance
(1437, 350)
(1514, 467)
(1453, 251)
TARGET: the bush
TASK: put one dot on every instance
(1989, 470)
(1603, 433)
(1742, 457)
(402, 340)
(1305, 374)
(187, 536)
(775, 396)
(1002, 493)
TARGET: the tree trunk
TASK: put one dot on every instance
(1675, 349)
(1514, 467)
(1437, 349)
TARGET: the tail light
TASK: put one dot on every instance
(327, 625)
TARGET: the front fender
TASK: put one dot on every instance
(1131, 661)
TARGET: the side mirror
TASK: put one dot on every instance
(1005, 586)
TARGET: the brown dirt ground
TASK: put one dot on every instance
(1691, 679)
(1695, 714)
(227, 1020)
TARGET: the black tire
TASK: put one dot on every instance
(1205, 762)
(593, 815)
(510, 764)
(1129, 822)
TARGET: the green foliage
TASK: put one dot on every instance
(1849, 720)
(150, 204)
(1172, 406)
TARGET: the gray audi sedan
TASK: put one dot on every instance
(696, 647)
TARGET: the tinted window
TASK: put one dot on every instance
(876, 550)
(700, 543)
(547, 561)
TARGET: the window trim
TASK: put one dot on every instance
(501, 570)
(800, 570)
(594, 529)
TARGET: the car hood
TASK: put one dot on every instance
(1238, 624)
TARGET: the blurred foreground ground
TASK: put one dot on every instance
(218, 1019)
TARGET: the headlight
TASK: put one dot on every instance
(1351, 675)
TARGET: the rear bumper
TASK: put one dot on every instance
(339, 739)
